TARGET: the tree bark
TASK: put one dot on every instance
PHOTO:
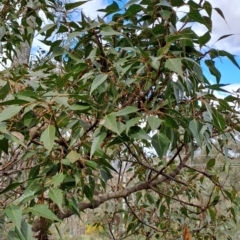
(23, 54)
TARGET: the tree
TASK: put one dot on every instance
(112, 118)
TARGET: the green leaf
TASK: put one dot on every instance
(42, 210)
(14, 213)
(10, 187)
(130, 2)
(9, 112)
(212, 213)
(211, 163)
(208, 7)
(219, 11)
(154, 122)
(127, 110)
(91, 164)
(99, 79)
(195, 128)
(73, 156)
(71, 6)
(204, 39)
(177, 3)
(213, 70)
(161, 144)
(56, 195)
(112, 8)
(88, 192)
(169, 121)
(111, 123)
(4, 145)
(224, 104)
(131, 123)
(62, 120)
(162, 210)
(230, 57)
(97, 142)
(108, 31)
(27, 195)
(175, 65)
(218, 120)
(196, 16)
(58, 179)
(47, 137)
(224, 36)
(47, 27)
(26, 230)
(138, 133)
(4, 91)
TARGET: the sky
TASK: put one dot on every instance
(230, 73)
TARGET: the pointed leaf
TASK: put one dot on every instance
(161, 144)
(108, 31)
(204, 39)
(131, 123)
(195, 128)
(9, 112)
(211, 163)
(73, 156)
(91, 164)
(224, 36)
(26, 230)
(111, 123)
(138, 133)
(71, 6)
(219, 11)
(4, 91)
(47, 137)
(175, 65)
(58, 179)
(96, 142)
(88, 192)
(230, 57)
(99, 79)
(218, 120)
(42, 210)
(127, 110)
(56, 196)
(154, 122)
(14, 213)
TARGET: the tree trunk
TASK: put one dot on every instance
(23, 54)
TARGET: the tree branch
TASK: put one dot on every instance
(98, 200)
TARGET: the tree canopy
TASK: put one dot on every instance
(112, 117)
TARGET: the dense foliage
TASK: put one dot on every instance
(111, 118)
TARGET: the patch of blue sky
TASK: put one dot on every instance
(229, 72)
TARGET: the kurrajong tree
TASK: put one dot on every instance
(111, 119)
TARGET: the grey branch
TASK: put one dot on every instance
(98, 200)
